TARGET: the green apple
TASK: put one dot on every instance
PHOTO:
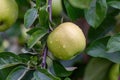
(114, 72)
(56, 7)
(66, 41)
(8, 14)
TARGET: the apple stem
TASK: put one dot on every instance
(45, 51)
(50, 9)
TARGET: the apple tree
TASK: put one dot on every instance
(59, 40)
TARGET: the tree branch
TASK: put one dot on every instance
(50, 9)
(45, 51)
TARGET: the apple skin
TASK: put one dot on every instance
(8, 14)
(114, 72)
(66, 41)
(56, 7)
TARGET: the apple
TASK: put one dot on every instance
(66, 41)
(114, 72)
(56, 7)
(8, 14)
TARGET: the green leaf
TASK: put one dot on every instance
(114, 43)
(25, 57)
(40, 3)
(60, 70)
(114, 57)
(80, 3)
(98, 49)
(30, 17)
(31, 31)
(43, 16)
(8, 59)
(114, 4)
(72, 12)
(35, 37)
(28, 75)
(97, 69)
(17, 73)
(106, 26)
(43, 74)
(4, 72)
(96, 13)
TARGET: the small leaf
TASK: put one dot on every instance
(17, 73)
(114, 4)
(43, 16)
(25, 57)
(35, 37)
(80, 3)
(40, 3)
(8, 59)
(60, 70)
(97, 69)
(43, 74)
(30, 17)
(31, 31)
(72, 12)
(114, 43)
(96, 13)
